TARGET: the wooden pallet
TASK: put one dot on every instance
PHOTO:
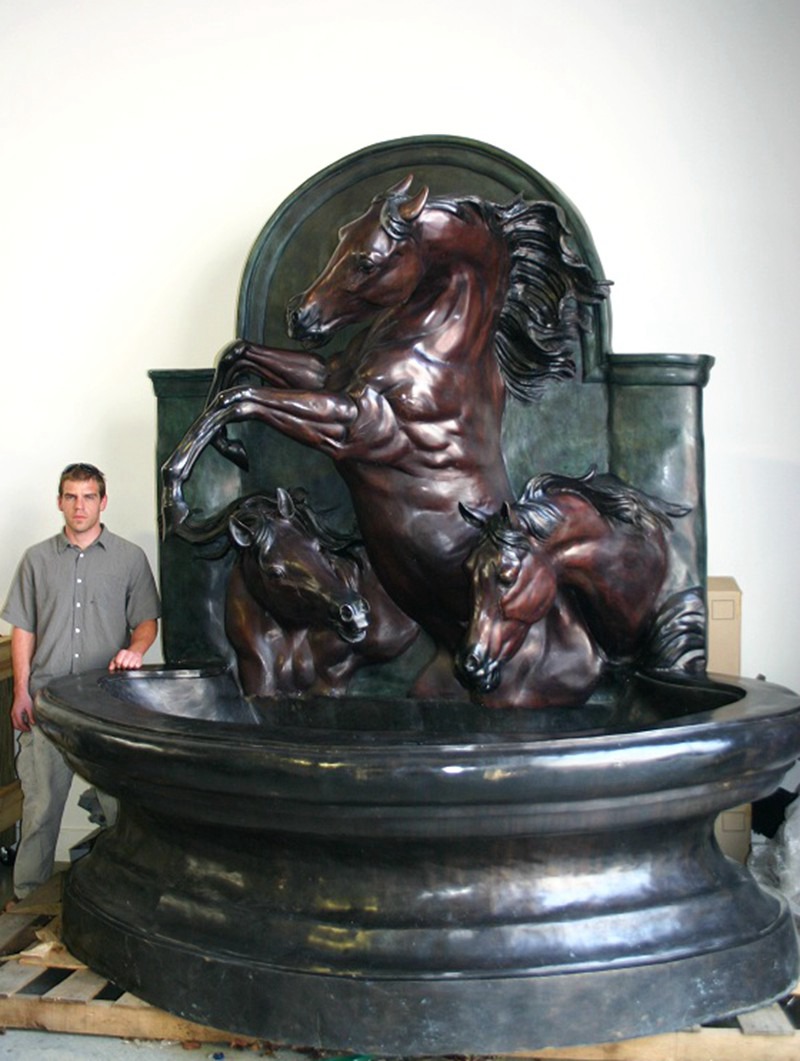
(767, 1034)
(43, 986)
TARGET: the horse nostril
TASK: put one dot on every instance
(304, 321)
(356, 611)
(471, 662)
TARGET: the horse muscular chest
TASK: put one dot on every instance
(411, 411)
(418, 386)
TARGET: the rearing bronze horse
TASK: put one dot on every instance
(465, 300)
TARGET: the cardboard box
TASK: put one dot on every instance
(732, 828)
(724, 625)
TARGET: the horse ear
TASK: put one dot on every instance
(286, 505)
(240, 532)
(246, 537)
(411, 210)
(471, 517)
(402, 187)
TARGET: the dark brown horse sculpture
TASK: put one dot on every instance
(563, 581)
(464, 300)
(304, 610)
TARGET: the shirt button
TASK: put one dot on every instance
(77, 629)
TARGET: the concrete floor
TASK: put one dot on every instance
(53, 1046)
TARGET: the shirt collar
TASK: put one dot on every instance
(63, 543)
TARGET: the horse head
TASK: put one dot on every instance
(291, 572)
(376, 265)
(513, 585)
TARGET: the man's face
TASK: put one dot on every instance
(81, 505)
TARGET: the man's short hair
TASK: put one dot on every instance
(81, 472)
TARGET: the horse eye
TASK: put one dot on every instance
(507, 572)
(274, 571)
(365, 264)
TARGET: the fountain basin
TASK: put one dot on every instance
(397, 877)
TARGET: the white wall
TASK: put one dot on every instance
(145, 142)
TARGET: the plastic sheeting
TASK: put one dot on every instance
(776, 862)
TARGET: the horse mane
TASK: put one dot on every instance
(255, 511)
(500, 532)
(551, 289)
(614, 499)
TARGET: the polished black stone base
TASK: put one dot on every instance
(398, 878)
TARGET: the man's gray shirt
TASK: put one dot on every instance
(81, 604)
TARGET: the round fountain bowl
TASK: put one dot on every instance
(396, 877)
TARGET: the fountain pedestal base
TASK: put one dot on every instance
(394, 878)
(265, 942)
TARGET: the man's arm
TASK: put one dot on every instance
(23, 644)
(130, 658)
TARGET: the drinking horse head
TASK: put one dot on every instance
(289, 566)
(586, 555)
(514, 586)
(303, 608)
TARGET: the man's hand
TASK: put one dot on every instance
(126, 659)
(142, 637)
(23, 644)
(22, 714)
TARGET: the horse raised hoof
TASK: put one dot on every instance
(232, 449)
(173, 514)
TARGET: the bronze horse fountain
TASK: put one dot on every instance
(338, 864)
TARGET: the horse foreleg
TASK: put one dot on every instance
(279, 368)
(293, 369)
(317, 419)
(341, 425)
(320, 421)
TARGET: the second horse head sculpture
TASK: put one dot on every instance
(564, 581)
(303, 609)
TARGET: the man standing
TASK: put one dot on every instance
(80, 600)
